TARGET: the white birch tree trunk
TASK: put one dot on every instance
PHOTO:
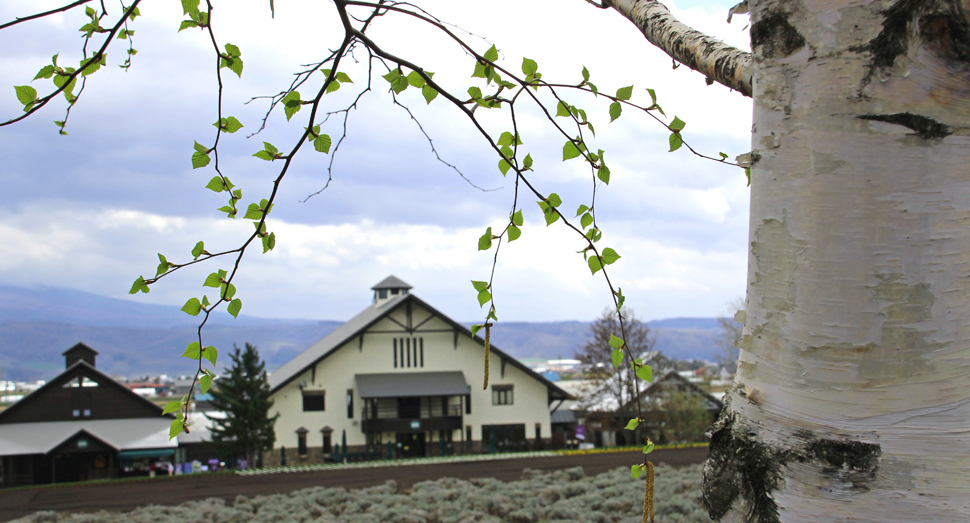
(853, 396)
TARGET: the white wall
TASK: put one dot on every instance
(335, 375)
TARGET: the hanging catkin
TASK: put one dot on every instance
(648, 495)
(488, 336)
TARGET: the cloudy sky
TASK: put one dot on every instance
(90, 210)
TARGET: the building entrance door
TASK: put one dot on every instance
(411, 445)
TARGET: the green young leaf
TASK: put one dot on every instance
(193, 351)
(484, 297)
(485, 241)
(291, 104)
(585, 74)
(636, 471)
(505, 139)
(253, 212)
(176, 428)
(322, 143)
(723, 156)
(198, 250)
(615, 110)
(514, 232)
(527, 162)
(554, 200)
(139, 285)
(492, 54)
(624, 93)
(480, 285)
(213, 280)
(491, 314)
(615, 342)
(45, 72)
(604, 174)
(26, 94)
(234, 307)
(234, 64)
(610, 256)
(747, 173)
(163, 265)
(620, 298)
(677, 124)
(476, 328)
(582, 208)
(594, 263)
(205, 301)
(570, 151)
(232, 50)
(399, 84)
(503, 165)
(617, 357)
(171, 406)
(648, 448)
(200, 160)
(653, 96)
(517, 218)
(392, 75)
(265, 155)
(211, 353)
(344, 79)
(429, 93)
(562, 109)
(415, 79)
(506, 151)
(269, 242)
(632, 425)
(204, 383)
(645, 373)
(529, 66)
(675, 141)
(215, 184)
(474, 92)
(192, 307)
(586, 220)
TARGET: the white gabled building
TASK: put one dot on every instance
(403, 378)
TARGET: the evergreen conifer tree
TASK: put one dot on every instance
(243, 394)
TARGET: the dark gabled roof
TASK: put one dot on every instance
(391, 282)
(80, 347)
(368, 317)
(104, 380)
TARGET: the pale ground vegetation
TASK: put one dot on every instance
(554, 497)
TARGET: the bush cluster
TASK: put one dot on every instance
(539, 497)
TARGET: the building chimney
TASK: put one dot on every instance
(79, 352)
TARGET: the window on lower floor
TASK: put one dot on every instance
(350, 403)
(314, 400)
(501, 395)
(301, 442)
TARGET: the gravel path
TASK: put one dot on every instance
(128, 496)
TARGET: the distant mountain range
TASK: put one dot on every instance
(38, 324)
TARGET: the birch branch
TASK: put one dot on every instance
(718, 61)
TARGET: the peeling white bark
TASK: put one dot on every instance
(857, 324)
(718, 61)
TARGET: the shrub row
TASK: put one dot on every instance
(546, 497)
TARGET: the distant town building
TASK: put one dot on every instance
(403, 378)
(81, 425)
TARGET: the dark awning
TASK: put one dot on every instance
(147, 453)
(404, 384)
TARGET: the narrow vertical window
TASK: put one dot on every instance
(408, 341)
(468, 404)
(414, 348)
(350, 403)
(301, 443)
(421, 340)
(395, 353)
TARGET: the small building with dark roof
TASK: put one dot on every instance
(81, 425)
(401, 378)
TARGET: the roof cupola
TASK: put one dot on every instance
(388, 289)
